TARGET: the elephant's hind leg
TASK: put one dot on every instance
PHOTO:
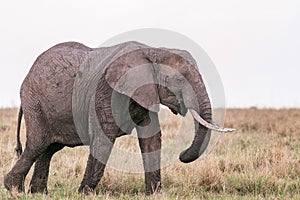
(38, 139)
(15, 178)
(38, 183)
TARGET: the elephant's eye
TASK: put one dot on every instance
(167, 79)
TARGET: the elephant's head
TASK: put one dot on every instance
(153, 76)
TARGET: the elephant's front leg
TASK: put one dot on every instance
(93, 173)
(100, 150)
(150, 143)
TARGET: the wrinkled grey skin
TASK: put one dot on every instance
(46, 103)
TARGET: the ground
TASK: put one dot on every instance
(259, 160)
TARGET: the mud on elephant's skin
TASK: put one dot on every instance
(47, 103)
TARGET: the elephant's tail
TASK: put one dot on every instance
(19, 145)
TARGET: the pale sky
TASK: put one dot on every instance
(255, 45)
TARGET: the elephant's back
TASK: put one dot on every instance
(61, 59)
(51, 78)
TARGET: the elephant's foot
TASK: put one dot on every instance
(87, 190)
(14, 182)
(153, 182)
(38, 183)
(154, 188)
(38, 189)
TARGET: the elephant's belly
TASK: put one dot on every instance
(70, 137)
(65, 132)
(70, 140)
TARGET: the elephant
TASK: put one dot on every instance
(54, 88)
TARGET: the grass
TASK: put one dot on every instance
(259, 161)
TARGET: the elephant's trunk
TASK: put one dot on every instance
(201, 138)
(197, 101)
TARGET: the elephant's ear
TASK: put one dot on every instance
(132, 74)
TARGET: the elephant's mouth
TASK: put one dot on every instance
(181, 109)
(174, 102)
(175, 106)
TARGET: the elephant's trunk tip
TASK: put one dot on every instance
(187, 156)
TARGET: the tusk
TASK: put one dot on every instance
(209, 125)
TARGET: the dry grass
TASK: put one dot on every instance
(260, 160)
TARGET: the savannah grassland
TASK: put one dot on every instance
(261, 160)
